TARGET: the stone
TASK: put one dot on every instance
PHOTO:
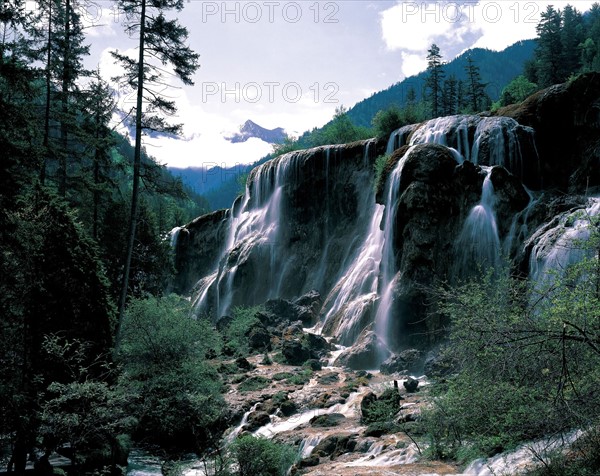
(408, 360)
(259, 339)
(411, 385)
(327, 420)
(243, 364)
(363, 355)
(256, 420)
(294, 352)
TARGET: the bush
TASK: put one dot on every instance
(527, 361)
(380, 166)
(175, 393)
(253, 383)
(262, 457)
(388, 120)
(236, 333)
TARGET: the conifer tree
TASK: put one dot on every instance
(549, 49)
(450, 96)
(571, 38)
(434, 81)
(160, 42)
(475, 94)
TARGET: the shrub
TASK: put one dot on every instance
(175, 393)
(256, 382)
(262, 457)
(236, 333)
(388, 120)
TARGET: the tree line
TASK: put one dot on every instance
(83, 217)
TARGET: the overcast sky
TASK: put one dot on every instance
(290, 64)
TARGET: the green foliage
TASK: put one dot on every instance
(529, 360)
(388, 120)
(517, 90)
(262, 457)
(384, 409)
(380, 167)
(300, 378)
(256, 382)
(236, 333)
(176, 395)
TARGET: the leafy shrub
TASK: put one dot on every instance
(262, 457)
(236, 333)
(255, 382)
(175, 393)
(388, 120)
(527, 361)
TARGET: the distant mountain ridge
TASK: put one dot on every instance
(497, 69)
(220, 186)
(252, 130)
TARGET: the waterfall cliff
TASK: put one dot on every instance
(458, 194)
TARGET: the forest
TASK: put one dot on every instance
(98, 356)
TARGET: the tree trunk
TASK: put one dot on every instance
(137, 160)
(66, 81)
(46, 142)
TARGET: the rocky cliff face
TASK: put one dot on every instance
(457, 194)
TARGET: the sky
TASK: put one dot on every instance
(291, 63)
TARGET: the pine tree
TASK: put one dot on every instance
(98, 104)
(160, 42)
(450, 96)
(549, 49)
(571, 38)
(59, 32)
(434, 79)
(475, 95)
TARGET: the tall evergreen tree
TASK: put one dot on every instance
(450, 96)
(160, 42)
(59, 32)
(434, 81)
(571, 38)
(549, 50)
(475, 94)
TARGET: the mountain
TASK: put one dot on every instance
(497, 69)
(250, 129)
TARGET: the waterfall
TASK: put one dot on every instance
(561, 244)
(478, 245)
(356, 291)
(388, 265)
(253, 226)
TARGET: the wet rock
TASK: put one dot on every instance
(256, 420)
(381, 428)
(313, 364)
(408, 360)
(327, 420)
(312, 460)
(294, 352)
(411, 385)
(328, 378)
(335, 445)
(365, 354)
(309, 306)
(566, 119)
(198, 247)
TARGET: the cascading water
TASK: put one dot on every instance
(478, 245)
(254, 226)
(562, 243)
(388, 264)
